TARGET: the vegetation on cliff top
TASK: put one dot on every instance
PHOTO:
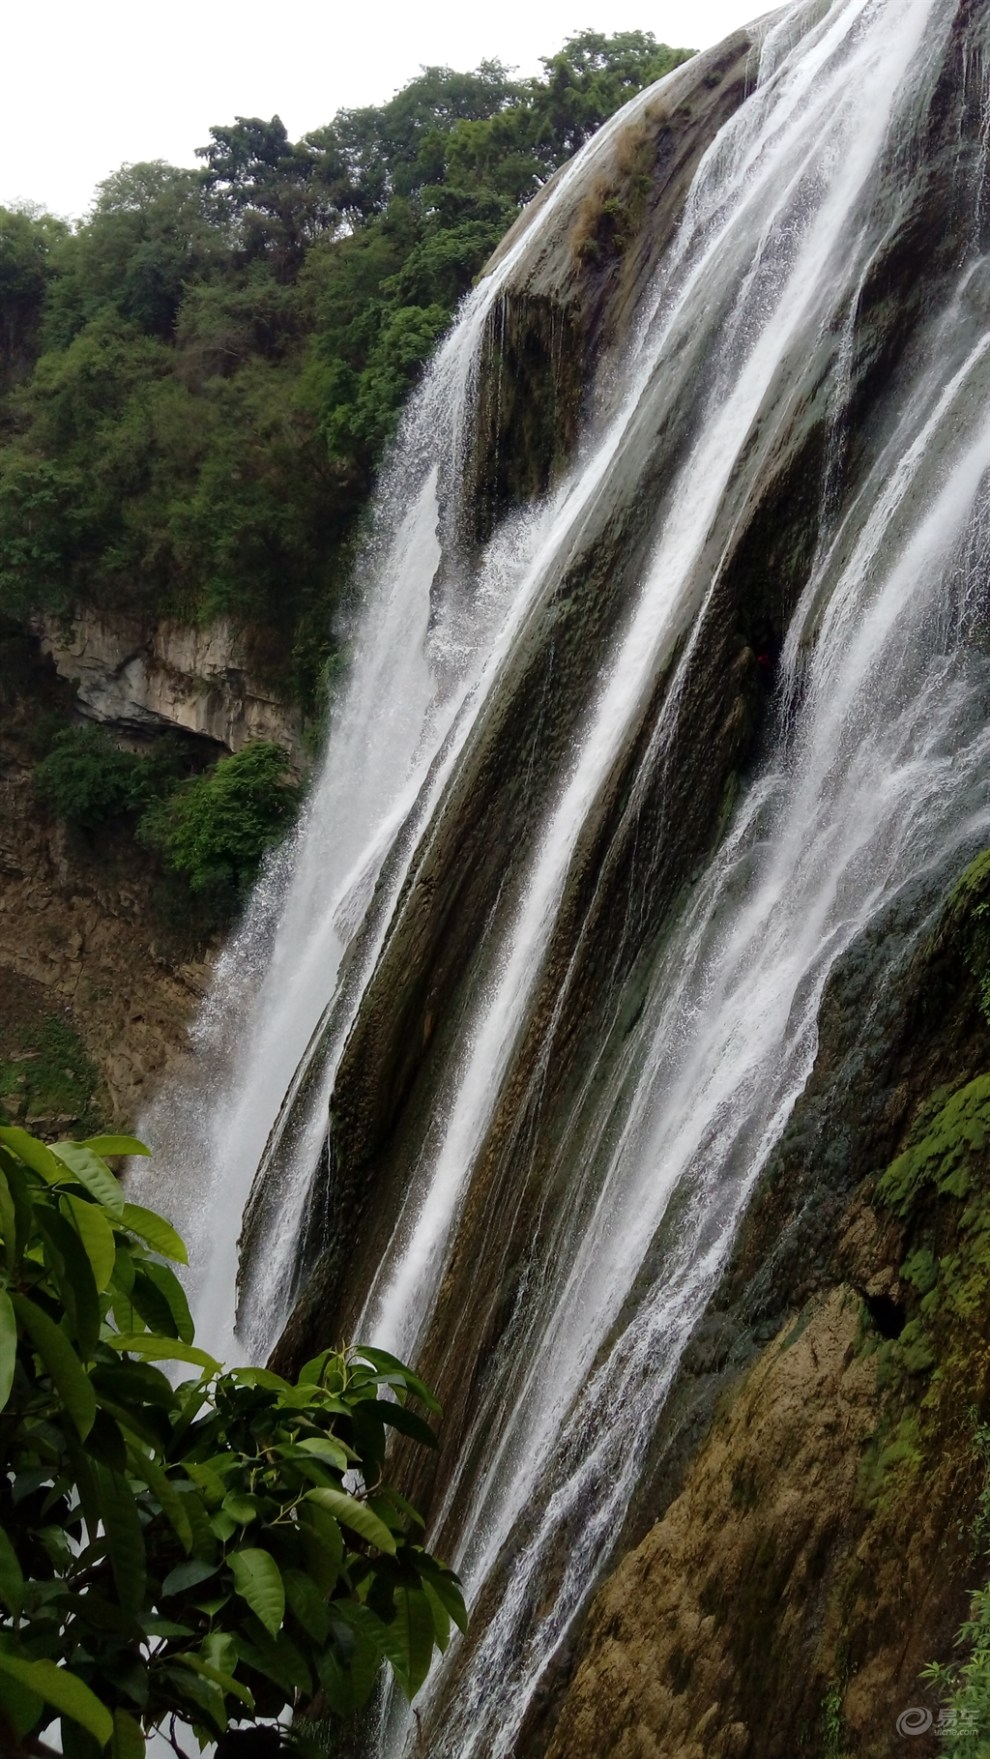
(196, 384)
(210, 829)
(183, 1556)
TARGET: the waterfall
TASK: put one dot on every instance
(625, 1037)
(418, 669)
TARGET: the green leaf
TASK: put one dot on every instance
(325, 1546)
(11, 1579)
(16, 1181)
(174, 1296)
(278, 1657)
(107, 1145)
(64, 1691)
(125, 1539)
(440, 1615)
(204, 1543)
(242, 1509)
(323, 1447)
(406, 1421)
(93, 1173)
(123, 1265)
(348, 1671)
(307, 1604)
(355, 1515)
(225, 1681)
(412, 1627)
(105, 1441)
(399, 1375)
(204, 1693)
(386, 1639)
(8, 1224)
(173, 1505)
(8, 1347)
(96, 1235)
(33, 1153)
(218, 1650)
(22, 1709)
(156, 1231)
(209, 1481)
(62, 1363)
(156, 1627)
(69, 1264)
(446, 1586)
(121, 1377)
(258, 1580)
(146, 1423)
(76, 1742)
(128, 1739)
(159, 1349)
(311, 1373)
(152, 1305)
(262, 1377)
(188, 1575)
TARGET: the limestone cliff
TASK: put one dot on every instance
(80, 944)
(802, 1529)
(146, 677)
(825, 1533)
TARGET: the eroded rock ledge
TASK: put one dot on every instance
(78, 936)
(141, 678)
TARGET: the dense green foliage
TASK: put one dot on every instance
(210, 829)
(214, 829)
(184, 1556)
(87, 780)
(198, 382)
(50, 1075)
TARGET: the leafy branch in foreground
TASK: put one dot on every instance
(183, 1557)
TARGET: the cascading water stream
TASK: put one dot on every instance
(872, 784)
(878, 782)
(419, 669)
(780, 298)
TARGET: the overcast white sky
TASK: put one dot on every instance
(86, 88)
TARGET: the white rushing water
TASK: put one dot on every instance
(875, 781)
(419, 670)
(878, 776)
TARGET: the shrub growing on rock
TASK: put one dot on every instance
(183, 1557)
(214, 829)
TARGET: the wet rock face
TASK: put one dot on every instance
(143, 679)
(571, 300)
(77, 945)
(568, 304)
(697, 1647)
(799, 1544)
(818, 1478)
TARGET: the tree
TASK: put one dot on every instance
(147, 237)
(86, 779)
(264, 191)
(188, 1556)
(225, 352)
(26, 245)
(590, 77)
(214, 829)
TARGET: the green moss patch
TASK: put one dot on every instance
(46, 1077)
(941, 1160)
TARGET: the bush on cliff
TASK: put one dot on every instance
(87, 780)
(183, 1557)
(197, 383)
(214, 829)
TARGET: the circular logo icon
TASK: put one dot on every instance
(914, 1722)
